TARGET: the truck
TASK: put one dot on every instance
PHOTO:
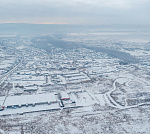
(1, 108)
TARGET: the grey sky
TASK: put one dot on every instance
(75, 11)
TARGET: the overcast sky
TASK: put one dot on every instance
(75, 11)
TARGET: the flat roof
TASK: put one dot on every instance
(2, 100)
(29, 99)
(64, 95)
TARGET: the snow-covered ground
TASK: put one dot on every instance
(74, 91)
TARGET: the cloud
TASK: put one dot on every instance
(75, 11)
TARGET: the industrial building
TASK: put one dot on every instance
(29, 100)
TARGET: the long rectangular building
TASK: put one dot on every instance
(25, 100)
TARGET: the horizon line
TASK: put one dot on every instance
(45, 23)
(73, 24)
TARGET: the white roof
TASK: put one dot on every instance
(64, 95)
(2, 100)
(29, 99)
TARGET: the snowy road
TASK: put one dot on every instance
(11, 71)
(111, 102)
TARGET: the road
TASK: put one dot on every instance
(5, 76)
(111, 102)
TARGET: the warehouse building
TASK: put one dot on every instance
(30, 100)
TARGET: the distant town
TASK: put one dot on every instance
(86, 76)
